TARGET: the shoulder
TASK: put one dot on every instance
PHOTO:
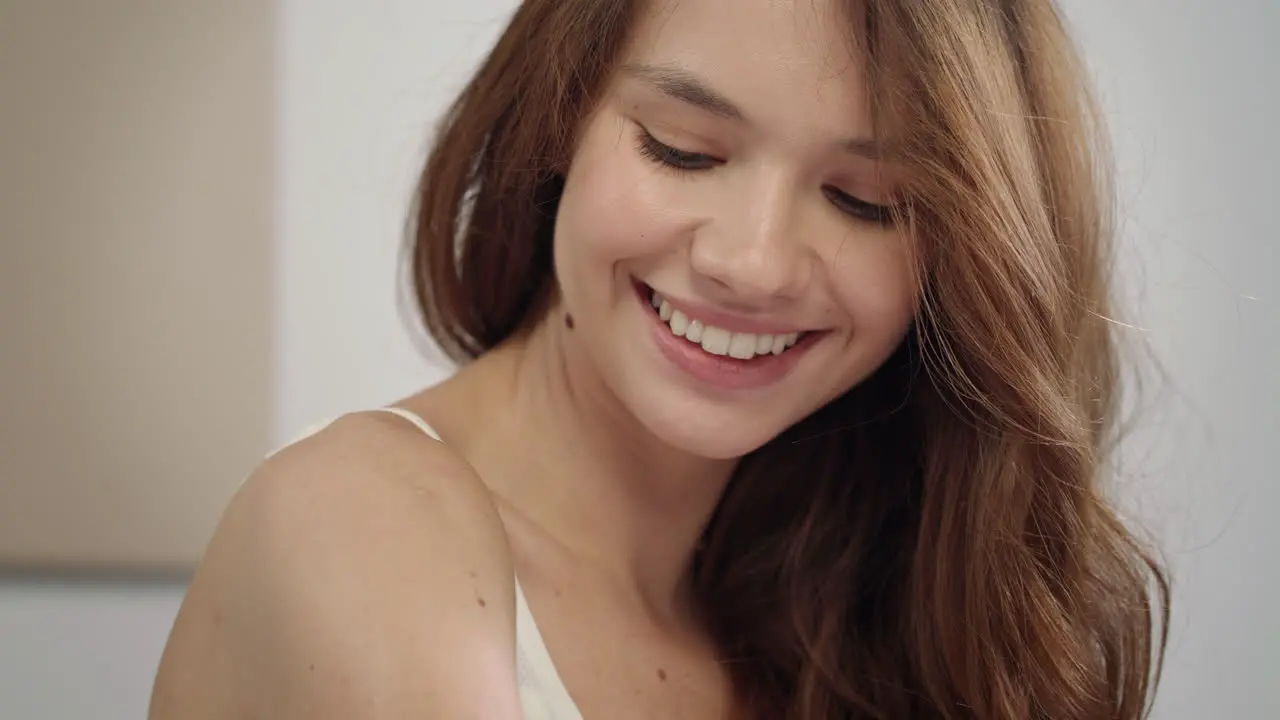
(361, 572)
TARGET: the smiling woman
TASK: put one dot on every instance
(726, 203)
(786, 392)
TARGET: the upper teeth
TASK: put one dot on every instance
(718, 341)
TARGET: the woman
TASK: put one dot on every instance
(787, 388)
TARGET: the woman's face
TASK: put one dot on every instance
(722, 243)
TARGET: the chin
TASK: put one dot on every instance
(716, 432)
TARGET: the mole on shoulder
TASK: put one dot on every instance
(568, 321)
(480, 601)
(662, 675)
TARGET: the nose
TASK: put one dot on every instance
(751, 252)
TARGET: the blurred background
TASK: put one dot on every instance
(201, 207)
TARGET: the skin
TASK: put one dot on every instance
(368, 571)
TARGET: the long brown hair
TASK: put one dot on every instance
(938, 542)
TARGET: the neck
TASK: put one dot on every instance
(553, 440)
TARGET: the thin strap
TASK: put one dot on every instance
(529, 641)
(417, 421)
(528, 637)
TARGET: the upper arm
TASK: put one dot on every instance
(362, 574)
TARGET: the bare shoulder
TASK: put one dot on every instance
(361, 573)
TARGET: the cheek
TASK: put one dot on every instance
(877, 289)
(617, 206)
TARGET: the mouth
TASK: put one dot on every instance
(719, 341)
(746, 355)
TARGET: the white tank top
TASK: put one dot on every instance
(542, 694)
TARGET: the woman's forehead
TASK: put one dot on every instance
(789, 62)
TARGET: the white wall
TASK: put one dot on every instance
(81, 649)
(1192, 89)
(361, 86)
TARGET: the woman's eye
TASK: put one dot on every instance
(860, 209)
(677, 159)
(671, 157)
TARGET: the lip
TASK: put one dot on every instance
(721, 371)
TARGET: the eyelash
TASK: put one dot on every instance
(684, 161)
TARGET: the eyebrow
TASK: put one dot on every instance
(684, 86)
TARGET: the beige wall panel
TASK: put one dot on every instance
(135, 277)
